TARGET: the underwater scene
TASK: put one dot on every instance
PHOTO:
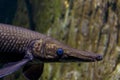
(59, 40)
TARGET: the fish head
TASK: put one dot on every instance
(51, 50)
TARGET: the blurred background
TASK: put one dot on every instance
(90, 25)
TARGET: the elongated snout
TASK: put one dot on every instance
(75, 55)
(54, 51)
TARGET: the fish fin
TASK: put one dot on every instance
(12, 67)
(33, 71)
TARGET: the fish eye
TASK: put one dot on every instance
(59, 51)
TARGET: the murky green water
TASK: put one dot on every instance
(83, 24)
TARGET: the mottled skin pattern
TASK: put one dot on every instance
(19, 46)
(15, 41)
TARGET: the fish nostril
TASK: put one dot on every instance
(99, 57)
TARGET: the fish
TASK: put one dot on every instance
(21, 47)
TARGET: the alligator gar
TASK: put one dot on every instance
(20, 46)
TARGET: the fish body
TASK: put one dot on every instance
(19, 46)
(14, 42)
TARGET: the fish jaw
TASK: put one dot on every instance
(51, 50)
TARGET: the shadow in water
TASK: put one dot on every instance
(7, 10)
(30, 14)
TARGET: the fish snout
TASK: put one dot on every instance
(99, 57)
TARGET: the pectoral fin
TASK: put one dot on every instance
(33, 71)
(12, 67)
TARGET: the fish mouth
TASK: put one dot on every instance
(82, 59)
(81, 56)
(73, 55)
(66, 58)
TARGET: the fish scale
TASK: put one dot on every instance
(14, 40)
(19, 46)
(15, 44)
